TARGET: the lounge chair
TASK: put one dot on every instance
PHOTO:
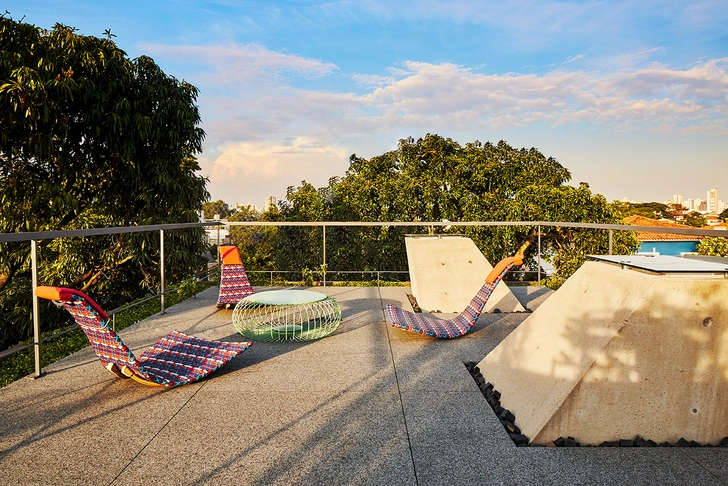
(459, 326)
(176, 359)
(234, 284)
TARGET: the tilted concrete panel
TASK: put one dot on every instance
(447, 271)
(616, 353)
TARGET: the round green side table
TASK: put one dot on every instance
(286, 315)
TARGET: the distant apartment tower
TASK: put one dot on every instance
(270, 202)
(677, 199)
(711, 204)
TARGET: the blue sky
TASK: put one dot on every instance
(631, 96)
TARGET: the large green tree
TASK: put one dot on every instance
(436, 179)
(89, 138)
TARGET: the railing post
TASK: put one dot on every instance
(161, 269)
(36, 319)
(610, 242)
(539, 255)
(324, 265)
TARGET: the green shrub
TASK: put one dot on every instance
(713, 246)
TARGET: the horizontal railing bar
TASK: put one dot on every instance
(43, 235)
(115, 230)
(327, 271)
(23, 347)
(617, 227)
(367, 271)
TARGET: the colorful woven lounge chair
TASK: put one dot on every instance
(234, 284)
(459, 326)
(176, 359)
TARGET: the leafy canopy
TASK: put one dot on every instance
(91, 138)
(714, 246)
(436, 179)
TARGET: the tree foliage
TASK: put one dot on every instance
(90, 138)
(724, 215)
(652, 210)
(217, 208)
(713, 246)
(695, 219)
(435, 179)
(676, 211)
(257, 244)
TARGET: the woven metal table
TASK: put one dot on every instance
(286, 315)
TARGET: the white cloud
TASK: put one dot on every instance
(455, 97)
(245, 172)
(371, 79)
(262, 132)
(574, 58)
(231, 64)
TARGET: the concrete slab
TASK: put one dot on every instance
(434, 416)
(369, 404)
(446, 272)
(267, 437)
(73, 426)
(453, 462)
(617, 353)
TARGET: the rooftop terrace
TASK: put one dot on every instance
(368, 404)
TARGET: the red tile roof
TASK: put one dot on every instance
(636, 220)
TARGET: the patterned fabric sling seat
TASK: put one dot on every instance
(459, 326)
(176, 359)
(234, 284)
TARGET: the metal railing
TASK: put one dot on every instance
(35, 237)
(538, 224)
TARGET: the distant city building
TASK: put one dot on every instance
(712, 201)
(270, 202)
(710, 205)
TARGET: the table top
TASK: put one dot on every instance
(285, 297)
(664, 263)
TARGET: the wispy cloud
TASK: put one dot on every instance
(235, 63)
(574, 58)
(248, 87)
(656, 97)
(247, 139)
